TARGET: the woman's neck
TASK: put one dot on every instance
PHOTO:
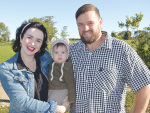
(29, 61)
(26, 58)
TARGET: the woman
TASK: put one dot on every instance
(24, 76)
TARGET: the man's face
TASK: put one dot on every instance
(89, 25)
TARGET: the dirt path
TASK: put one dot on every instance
(4, 99)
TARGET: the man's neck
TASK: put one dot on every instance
(96, 44)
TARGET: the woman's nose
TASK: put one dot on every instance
(33, 43)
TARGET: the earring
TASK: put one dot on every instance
(20, 44)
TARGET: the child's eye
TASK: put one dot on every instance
(56, 52)
(63, 52)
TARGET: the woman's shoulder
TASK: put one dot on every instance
(45, 56)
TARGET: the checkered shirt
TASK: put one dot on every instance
(102, 75)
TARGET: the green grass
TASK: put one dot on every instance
(4, 109)
(7, 52)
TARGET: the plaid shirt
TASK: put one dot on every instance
(102, 75)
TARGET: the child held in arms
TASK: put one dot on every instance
(61, 78)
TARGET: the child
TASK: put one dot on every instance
(61, 78)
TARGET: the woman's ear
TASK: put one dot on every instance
(67, 40)
(53, 39)
(20, 39)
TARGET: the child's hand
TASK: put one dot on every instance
(65, 100)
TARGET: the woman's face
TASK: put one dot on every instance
(31, 41)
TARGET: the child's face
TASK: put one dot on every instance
(59, 54)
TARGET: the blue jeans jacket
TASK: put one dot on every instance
(19, 86)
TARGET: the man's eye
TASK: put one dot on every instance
(80, 25)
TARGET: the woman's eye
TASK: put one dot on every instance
(29, 37)
(39, 41)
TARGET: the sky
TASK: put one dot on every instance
(14, 12)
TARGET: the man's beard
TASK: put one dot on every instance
(92, 39)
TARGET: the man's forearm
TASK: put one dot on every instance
(141, 100)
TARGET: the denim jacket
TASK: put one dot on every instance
(19, 86)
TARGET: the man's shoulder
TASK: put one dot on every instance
(75, 45)
(118, 42)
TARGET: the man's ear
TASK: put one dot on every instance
(53, 39)
(101, 21)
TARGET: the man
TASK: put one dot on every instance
(103, 66)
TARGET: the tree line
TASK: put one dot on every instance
(139, 38)
(47, 21)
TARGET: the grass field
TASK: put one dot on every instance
(6, 52)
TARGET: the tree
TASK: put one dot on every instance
(51, 30)
(4, 33)
(121, 35)
(133, 23)
(113, 34)
(64, 32)
(140, 38)
(142, 42)
(48, 23)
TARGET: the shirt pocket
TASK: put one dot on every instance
(105, 79)
(22, 79)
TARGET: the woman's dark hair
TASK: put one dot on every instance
(22, 30)
(85, 8)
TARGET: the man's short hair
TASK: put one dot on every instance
(85, 8)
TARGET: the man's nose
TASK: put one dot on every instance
(86, 27)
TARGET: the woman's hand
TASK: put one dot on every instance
(60, 109)
(64, 107)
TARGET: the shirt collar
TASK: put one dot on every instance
(106, 44)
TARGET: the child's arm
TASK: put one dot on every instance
(70, 82)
